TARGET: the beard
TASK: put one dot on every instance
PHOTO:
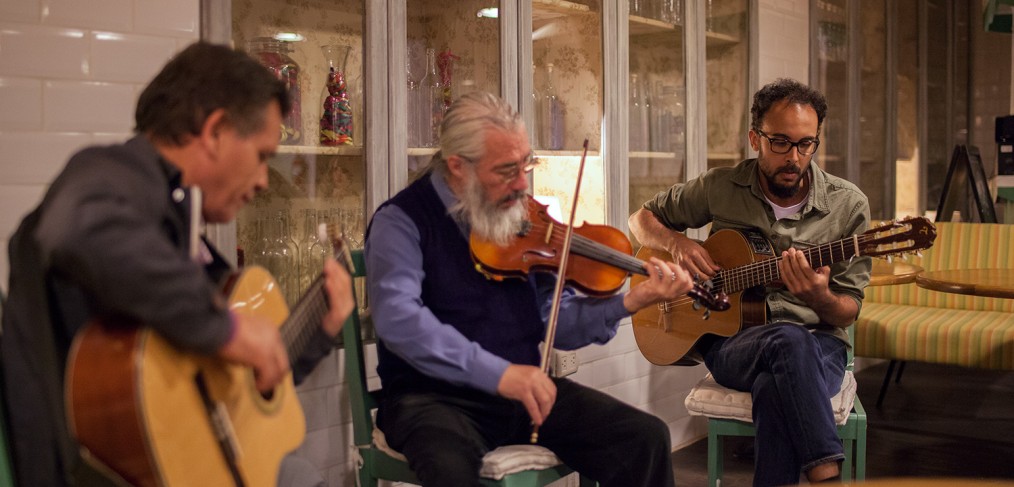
(784, 190)
(487, 219)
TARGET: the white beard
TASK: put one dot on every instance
(486, 219)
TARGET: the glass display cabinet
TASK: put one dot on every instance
(372, 80)
(318, 175)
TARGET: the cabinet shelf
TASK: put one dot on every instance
(646, 27)
(654, 155)
(564, 153)
(347, 150)
(725, 155)
(422, 151)
(551, 9)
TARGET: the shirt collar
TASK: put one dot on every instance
(746, 175)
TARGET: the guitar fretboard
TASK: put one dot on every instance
(304, 319)
(762, 272)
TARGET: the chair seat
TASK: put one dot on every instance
(496, 464)
(710, 399)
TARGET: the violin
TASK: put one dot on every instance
(599, 264)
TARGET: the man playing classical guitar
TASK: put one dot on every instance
(459, 353)
(112, 239)
(796, 361)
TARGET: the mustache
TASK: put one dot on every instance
(516, 195)
(791, 169)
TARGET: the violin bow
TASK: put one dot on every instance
(554, 312)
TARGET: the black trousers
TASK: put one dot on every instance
(444, 433)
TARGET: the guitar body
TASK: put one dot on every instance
(666, 334)
(134, 403)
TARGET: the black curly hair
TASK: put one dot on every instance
(791, 91)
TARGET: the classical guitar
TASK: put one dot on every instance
(666, 334)
(157, 415)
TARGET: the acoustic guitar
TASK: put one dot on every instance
(666, 334)
(157, 415)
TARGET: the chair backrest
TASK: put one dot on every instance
(361, 399)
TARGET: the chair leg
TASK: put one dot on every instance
(846, 466)
(861, 452)
(901, 370)
(715, 459)
(366, 480)
(887, 382)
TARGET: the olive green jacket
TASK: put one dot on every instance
(731, 197)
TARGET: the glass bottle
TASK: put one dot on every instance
(274, 54)
(283, 260)
(432, 114)
(413, 136)
(537, 118)
(553, 112)
(638, 116)
(336, 108)
(312, 252)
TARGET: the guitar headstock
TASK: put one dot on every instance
(332, 232)
(907, 235)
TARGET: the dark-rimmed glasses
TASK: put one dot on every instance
(781, 145)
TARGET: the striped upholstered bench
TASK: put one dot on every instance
(906, 322)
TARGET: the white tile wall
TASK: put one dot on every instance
(21, 99)
(20, 10)
(96, 14)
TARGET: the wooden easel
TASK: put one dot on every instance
(966, 179)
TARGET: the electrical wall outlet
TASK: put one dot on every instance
(564, 363)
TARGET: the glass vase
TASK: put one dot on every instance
(274, 54)
(336, 108)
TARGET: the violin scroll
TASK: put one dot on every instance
(703, 296)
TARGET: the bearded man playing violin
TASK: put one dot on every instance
(458, 353)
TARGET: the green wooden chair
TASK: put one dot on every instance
(6, 467)
(377, 462)
(852, 432)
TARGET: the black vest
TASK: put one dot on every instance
(501, 316)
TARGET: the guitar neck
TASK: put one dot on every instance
(765, 271)
(304, 319)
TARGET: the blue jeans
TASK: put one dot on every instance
(791, 373)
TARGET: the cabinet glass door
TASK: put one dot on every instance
(874, 160)
(567, 99)
(657, 101)
(832, 57)
(452, 48)
(728, 60)
(318, 174)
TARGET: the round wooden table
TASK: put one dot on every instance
(896, 272)
(994, 283)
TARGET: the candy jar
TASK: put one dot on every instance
(336, 108)
(275, 55)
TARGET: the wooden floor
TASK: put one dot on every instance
(939, 421)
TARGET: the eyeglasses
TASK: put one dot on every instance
(781, 145)
(510, 172)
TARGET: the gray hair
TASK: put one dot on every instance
(463, 130)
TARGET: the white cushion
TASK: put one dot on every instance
(497, 463)
(709, 399)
